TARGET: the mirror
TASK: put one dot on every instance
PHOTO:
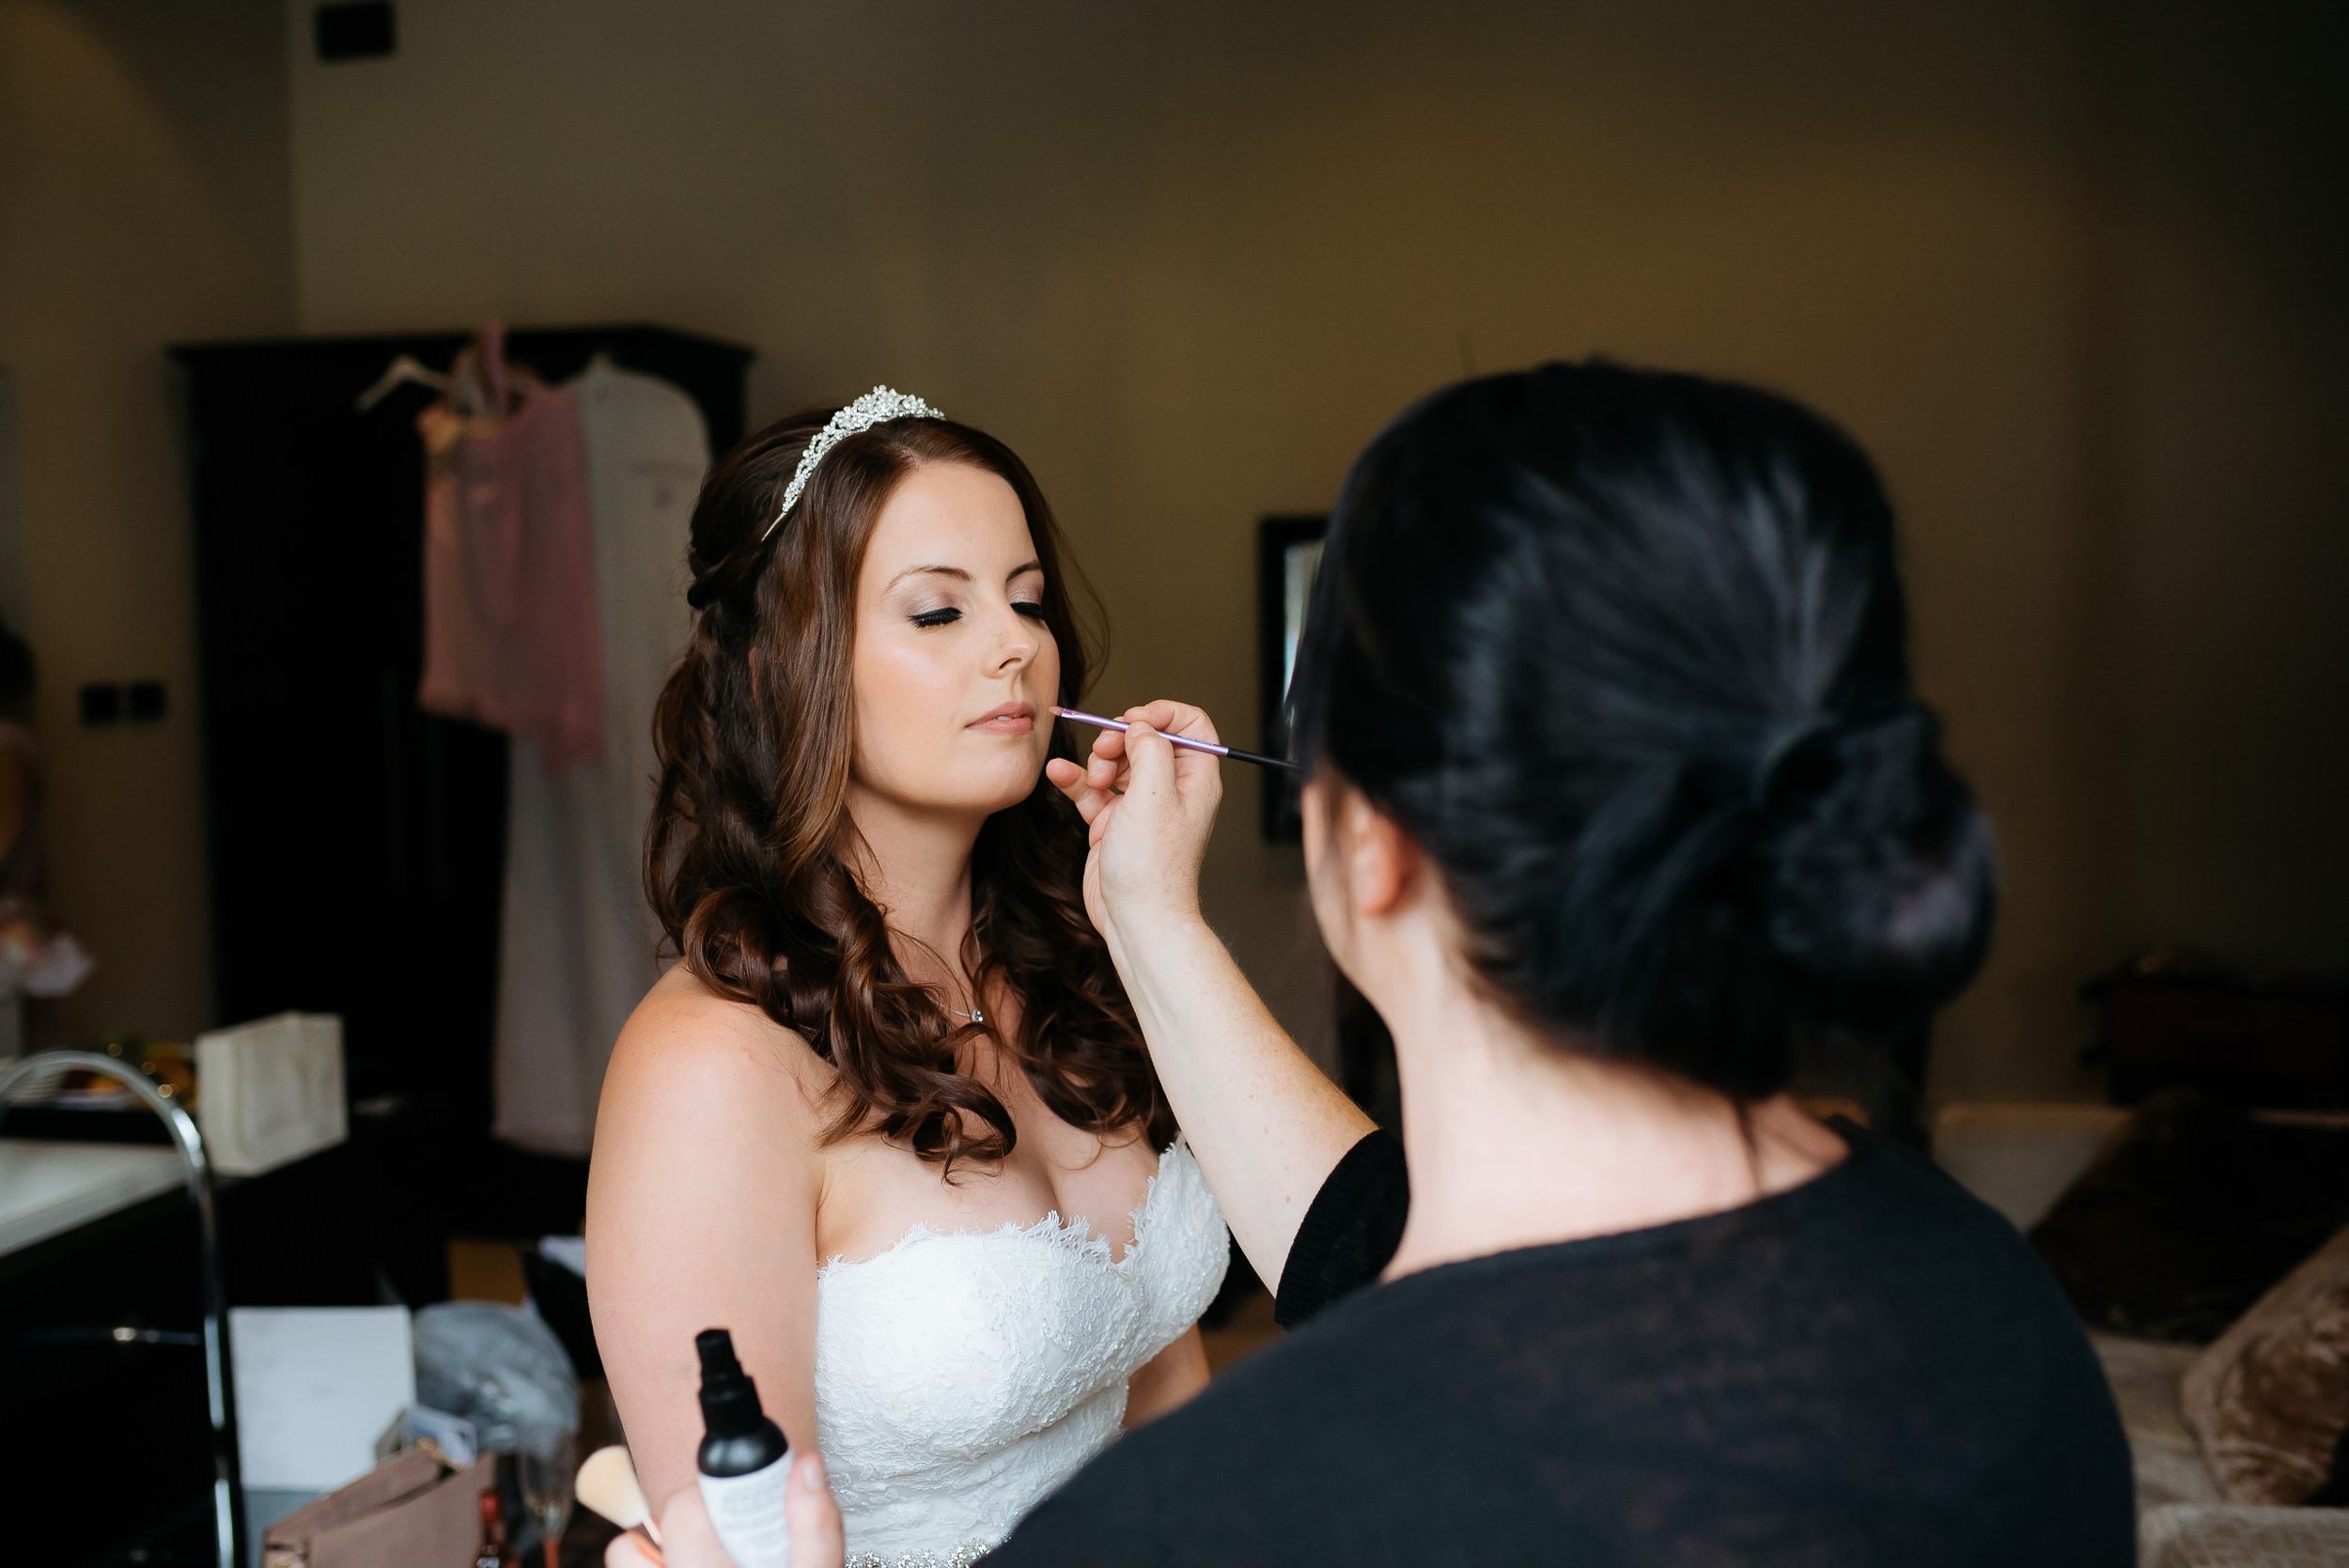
(1288, 554)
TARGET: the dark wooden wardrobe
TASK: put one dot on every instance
(356, 843)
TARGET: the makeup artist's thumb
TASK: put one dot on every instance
(1150, 757)
(813, 1514)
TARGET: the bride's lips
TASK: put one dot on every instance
(1010, 719)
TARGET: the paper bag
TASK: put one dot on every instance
(271, 1090)
(409, 1511)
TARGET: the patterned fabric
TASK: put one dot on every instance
(961, 1557)
(2268, 1401)
(961, 1377)
(2221, 1535)
(2144, 1375)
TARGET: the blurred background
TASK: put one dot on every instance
(2071, 270)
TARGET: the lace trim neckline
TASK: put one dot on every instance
(1074, 1234)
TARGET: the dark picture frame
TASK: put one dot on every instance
(1288, 551)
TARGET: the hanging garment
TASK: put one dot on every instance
(511, 636)
(576, 953)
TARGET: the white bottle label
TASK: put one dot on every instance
(747, 1511)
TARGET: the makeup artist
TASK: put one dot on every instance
(1619, 787)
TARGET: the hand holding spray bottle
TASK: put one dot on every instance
(743, 1460)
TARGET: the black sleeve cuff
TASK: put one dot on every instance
(1350, 1233)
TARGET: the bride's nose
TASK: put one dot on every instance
(1016, 642)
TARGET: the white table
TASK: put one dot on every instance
(49, 1187)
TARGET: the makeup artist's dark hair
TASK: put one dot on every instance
(746, 860)
(1625, 653)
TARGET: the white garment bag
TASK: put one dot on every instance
(577, 941)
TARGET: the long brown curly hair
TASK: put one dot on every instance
(747, 860)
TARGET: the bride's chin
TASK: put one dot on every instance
(972, 785)
(1002, 791)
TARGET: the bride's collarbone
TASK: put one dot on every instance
(877, 1192)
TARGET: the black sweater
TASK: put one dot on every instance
(1871, 1368)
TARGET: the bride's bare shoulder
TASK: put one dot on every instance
(687, 1046)
(710, 1132)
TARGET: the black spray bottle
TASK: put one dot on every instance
(743, 1460)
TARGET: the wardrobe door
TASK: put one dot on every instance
(357, 844)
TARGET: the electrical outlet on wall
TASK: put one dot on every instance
(109, 701)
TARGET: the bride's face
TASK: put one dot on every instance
(956, 671)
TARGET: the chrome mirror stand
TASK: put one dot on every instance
(43, 1065)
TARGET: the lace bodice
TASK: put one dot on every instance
(961, 1377)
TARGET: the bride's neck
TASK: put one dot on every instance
(1514, 1141)
(916, 865)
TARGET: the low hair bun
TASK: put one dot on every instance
(1627, 653)
(1877, 869)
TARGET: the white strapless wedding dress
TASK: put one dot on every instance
(960, 1377)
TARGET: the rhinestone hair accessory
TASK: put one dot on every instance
(877, 407)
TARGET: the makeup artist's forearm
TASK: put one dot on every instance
(1266, 1124)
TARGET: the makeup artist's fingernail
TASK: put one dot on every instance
(810, 1474)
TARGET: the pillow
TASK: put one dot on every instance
(2335, 1492)
(2190, 1213)
(2267, 1404)
(2228, 1535)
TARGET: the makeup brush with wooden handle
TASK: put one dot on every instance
(607, 1484)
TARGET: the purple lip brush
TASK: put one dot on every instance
(1182, 740)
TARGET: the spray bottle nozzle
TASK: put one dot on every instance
(742, 1459)
(717, 1351)
(730, 1398)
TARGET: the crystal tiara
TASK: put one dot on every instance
(877, 407)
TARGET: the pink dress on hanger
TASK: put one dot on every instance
(511, 635)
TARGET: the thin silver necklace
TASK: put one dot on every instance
(970, 1013)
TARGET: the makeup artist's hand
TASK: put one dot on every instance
(1267, 1125)
(1151, 808)
(686, 1540)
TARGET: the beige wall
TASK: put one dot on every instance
(2233, 335)
(2069, 271)
(145, 199)
(1189, 262)
(1189, 259)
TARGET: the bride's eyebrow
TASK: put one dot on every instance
(932, 571)
(959, 574)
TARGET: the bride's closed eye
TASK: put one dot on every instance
(949, 614)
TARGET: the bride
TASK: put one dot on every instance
(888, 1118)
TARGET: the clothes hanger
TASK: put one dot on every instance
(403, 371)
